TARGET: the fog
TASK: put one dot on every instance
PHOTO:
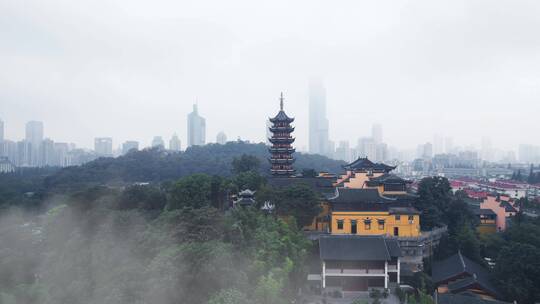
(133, 69)
(84, 252)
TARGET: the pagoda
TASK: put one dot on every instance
(281, 150)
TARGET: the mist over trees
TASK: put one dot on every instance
(86, 242)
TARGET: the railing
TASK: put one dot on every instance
(392, 267)
(359, 271)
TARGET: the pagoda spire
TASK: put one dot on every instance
(281, 102)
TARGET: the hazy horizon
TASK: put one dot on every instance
(131, 70)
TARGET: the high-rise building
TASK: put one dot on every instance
(34, 133)
(448, 145)
(61, 155)
(1, 130)
(318, 122)
(343, 151)
(428, 151)
(281, 150)
(438, 144)
(529, 153)
(24, 154)
(376, 133)
(157, 142)
(381, 153)
(103, 146)
(486, 150)
(130, 145)
(174, 143)
(196, 128)
(367, 148)
(221, 138)
(46, 153)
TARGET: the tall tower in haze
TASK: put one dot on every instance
(174, 143)
(34, 136)
(34, 133)
(196, 128)
(281, 150)
(318, 123)
(1, 130)
(376, 133)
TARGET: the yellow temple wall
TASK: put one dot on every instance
(406, 228)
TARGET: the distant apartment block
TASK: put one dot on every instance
(103, 146)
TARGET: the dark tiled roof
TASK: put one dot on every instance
(357, 248)
(388, 179)
(348, 199)
(448, 298)
(365, 164)
(350, 195)
(507, 207)
(393, 247)
(459, 266)
(281, 117)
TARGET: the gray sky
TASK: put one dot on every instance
(132, 69)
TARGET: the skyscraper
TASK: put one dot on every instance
(157, 142)
(221, 138)
(1, 130)
(34, 133)
(34, 136)
(196, 128)
(103, 146)
(438, 144)
(174, 143)
(367, 148)
(318, 123)
(376, 133)
(130, 145)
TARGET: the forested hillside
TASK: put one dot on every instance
(157, 165)
(164, 243)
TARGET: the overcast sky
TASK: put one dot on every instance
(132, 69)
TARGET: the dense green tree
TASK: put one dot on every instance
(245, 163)
(142, 196)
(248, 180)
(299, 201)
(517, 272)
(434, 197)
(309, 173)
(269, 290)
(194, 191)
(229, 296)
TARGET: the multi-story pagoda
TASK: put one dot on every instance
(281, 150)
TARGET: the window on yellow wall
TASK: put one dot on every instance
(411, 219)
(398, 218)
(354, 229)
(381, 224)
(367, 224)
(340, 224)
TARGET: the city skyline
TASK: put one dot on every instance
(463, 83)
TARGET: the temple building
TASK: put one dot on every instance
(355, 263)
(364, 212)
(281, 150)
(459, 275)
(245, 198)
(364, 174)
